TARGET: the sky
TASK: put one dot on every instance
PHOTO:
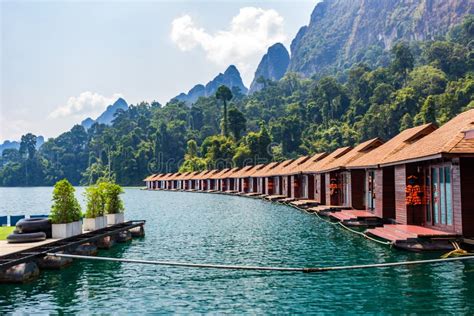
(64, 61)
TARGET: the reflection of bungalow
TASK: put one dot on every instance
(434, 178)
(347, 187)
(379, 186)
(259, 179)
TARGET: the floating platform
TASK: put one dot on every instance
(415, 238)
(32, 252)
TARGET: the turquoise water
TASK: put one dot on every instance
(210, 228)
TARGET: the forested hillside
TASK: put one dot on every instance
(341, 32)
(427, 81)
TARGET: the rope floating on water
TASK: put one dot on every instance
(264, 268)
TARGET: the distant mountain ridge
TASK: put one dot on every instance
(16, 144)
(343, 32)
(230, 78)
(273, 66)
(108, 115)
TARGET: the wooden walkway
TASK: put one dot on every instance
(30, 251)
(6, 248)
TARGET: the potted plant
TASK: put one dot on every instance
(94, 218)
(65, 212)
(113, 203)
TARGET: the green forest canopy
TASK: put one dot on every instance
(421, 82)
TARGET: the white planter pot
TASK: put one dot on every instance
(60, 231)
(113, 219)
(94, 223)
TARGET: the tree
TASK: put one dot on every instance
(237, 122)
(224, 94)
(403, 60)
(28, 145)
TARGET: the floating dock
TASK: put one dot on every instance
(415, 238)
(30, 254)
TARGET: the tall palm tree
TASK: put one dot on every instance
(224, 94)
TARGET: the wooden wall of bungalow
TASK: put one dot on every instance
(433, 178)
(379, 182)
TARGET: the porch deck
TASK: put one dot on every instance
(350, 215)
(305, 203)
(275, 197)
(251, 194)
(327, 208)
(398, 232)
(231, 192)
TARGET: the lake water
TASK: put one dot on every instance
(209, 228)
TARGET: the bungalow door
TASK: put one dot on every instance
(439, 202)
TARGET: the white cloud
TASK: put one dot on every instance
(86, 104)
(249, 35)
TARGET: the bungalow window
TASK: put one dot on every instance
(441, 196)
(305, 186)
(371, 190)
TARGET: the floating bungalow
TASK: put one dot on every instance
(414, 190)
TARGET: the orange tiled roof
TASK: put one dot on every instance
(182, 176)
(157, 176)
(448, 139)
(304, 167)
(359, 151)
(321, 164)
(231, 172)
(150, 177)
(286, 166)
(173, 176)
(241, 171)
(163, 176)
(207, 175)
(247, 171)
(266, 170)
(219, 173)
(391, 147)
(195, 175)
